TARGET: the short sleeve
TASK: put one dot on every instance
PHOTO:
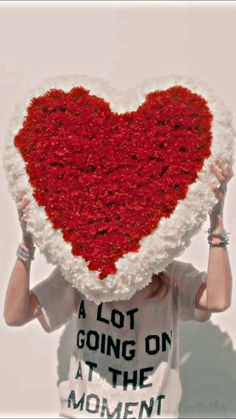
(57, 299)
(187, 280)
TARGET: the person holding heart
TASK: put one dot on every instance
(125, 361)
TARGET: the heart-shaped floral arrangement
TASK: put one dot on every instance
(117, 182)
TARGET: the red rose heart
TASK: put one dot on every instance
(106, 179)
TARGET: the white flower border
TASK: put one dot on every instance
(173, 234)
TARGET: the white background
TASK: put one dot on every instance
(124, 43)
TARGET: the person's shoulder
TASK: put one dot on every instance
(173, 265)
(176, 264)
(177, 269)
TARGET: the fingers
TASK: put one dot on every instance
(223, 167)
(22, 206)
(21, 202)
(226, 168)
(20, 197)
(218, 170)
(20, 209)
(231, 172)
(215, 188)
(222, 170)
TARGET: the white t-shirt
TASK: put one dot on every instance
(125, 354)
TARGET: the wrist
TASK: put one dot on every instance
(217, 234)
(24, 252)
(27, 242)
(217, 221)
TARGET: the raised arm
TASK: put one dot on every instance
(21, 306)
(215, 296)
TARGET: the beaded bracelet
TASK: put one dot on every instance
(24, 253)
(224, 239)
(221, 244)
(222, 235)
(213, 232)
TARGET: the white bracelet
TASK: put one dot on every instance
(24, 253)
